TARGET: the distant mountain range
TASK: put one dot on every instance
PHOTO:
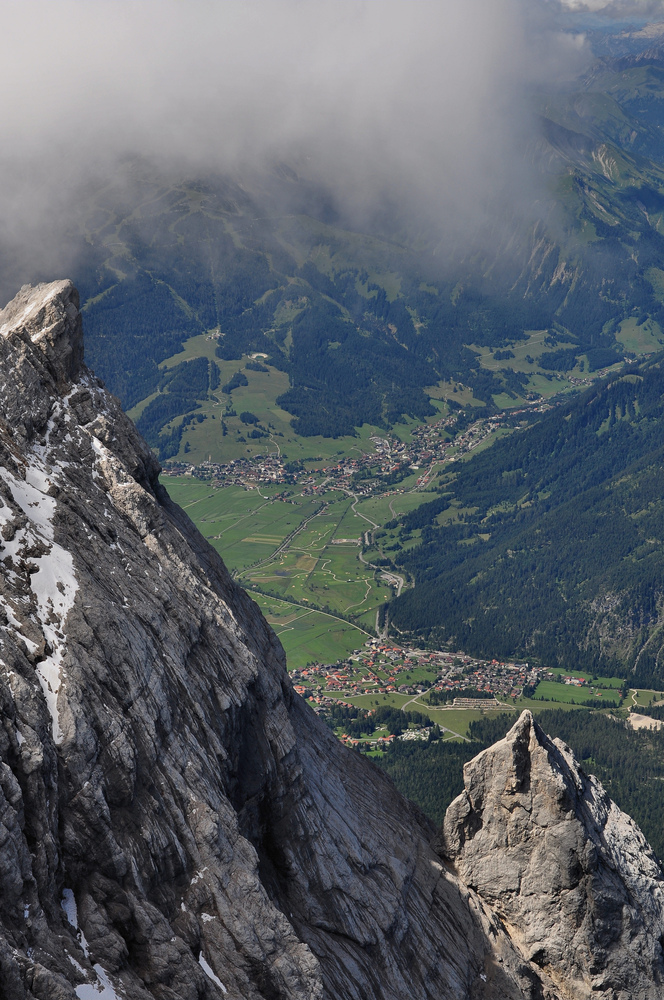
(364, 322)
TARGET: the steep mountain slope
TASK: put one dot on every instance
(175, 823)
(558, 552)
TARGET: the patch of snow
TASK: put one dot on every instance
(38, 507)
(206, 917)
(68, 904)
(210, 974)
(26, 911)
(198, 876)
(54, 584)
(77, 965)
(101, 990)
(20, 738)
(38, 478)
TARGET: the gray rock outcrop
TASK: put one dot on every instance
(175, 823)
(569, 875)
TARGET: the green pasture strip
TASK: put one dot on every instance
(644, 697)
(540, 706)
(384, 509)
(568, 693)
(600, 682)
(646, 337)
(318, 636)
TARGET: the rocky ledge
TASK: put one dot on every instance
(176, 824)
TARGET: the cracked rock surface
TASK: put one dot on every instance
(569, 875)
(175, 823)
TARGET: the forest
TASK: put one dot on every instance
(557, 555)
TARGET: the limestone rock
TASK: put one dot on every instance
(177, 824)
(570, 876)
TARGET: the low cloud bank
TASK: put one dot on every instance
(424, 106)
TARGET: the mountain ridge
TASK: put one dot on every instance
(176, 824)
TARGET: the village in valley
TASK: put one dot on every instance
(312, 539)
(366, 472)
(432, 683)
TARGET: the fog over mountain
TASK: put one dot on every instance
(617, 8)
(421, 106)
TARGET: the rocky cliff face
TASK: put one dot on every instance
(568, 874)
(175, 823)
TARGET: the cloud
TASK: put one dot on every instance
(640, 9)
(419, 104)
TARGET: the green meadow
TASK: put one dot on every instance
(302, 550)
(307, 634)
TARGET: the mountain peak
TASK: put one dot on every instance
(570, 875)
(48, 313)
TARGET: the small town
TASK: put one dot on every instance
(428, 679)
(364, 474)
(387, 668)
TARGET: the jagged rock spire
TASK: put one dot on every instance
(570, 875)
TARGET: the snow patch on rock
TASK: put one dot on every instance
(52, 578)
(210, 974)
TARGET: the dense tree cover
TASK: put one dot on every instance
(238, 379)
(653, 711)
(135, 325)
(431, 774)
(560, 557)
(444, 697)
(342, 377)
(629, 764)
(559, 361)
(180, 389)
(358, 722)
(425, 514)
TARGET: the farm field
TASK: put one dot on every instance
(302, 549)
(244, 525)
(300, 558)
(568, 694)
(307, 634)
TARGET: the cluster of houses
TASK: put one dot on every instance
(387, 668)
(431, 444)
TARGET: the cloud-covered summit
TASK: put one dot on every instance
(419, 105)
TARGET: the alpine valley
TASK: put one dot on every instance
(177, 823)
(433, 469)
